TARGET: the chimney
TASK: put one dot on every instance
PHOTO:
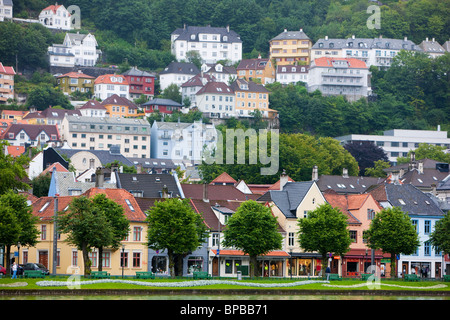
(315, 174)
(426, 39)
(228, 28)
(345, 173)
(100, 178)
(285, 30)
(326, 37)
(205, 192)
(283, 179)
(420, 167)
(139, 168)
(165, 192)
(301, 30)
(433, 190)
(353, 36)
(405, 39)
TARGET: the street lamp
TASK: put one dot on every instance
(123, 258)
(290, 263)
(18, 251)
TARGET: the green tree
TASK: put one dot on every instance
(17, 223)
(254, 230)
(172, 92)
(392, 231)
(174, 226)
(440, 237)
(41, 185)
(116, 218)
(427, 151)
(12, 170)
(85, 228)
(377, 170)
(324, 230)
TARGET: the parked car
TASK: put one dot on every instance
(2, 270)
(36, 266)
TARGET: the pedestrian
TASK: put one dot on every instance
(14, 270)
(327, 272)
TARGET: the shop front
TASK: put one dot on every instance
(304, 265)
(359, 261)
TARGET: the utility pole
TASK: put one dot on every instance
(55, 235)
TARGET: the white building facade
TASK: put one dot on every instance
(6, 9)
(77, 50)
(109, 84)
(291, 74)
(212, 44)
(56, 17)
(216, 100)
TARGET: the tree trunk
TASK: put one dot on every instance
(253, 267)
(171, 263)
(393, 265)
(100, 259)
(86, 260)
(8, 260)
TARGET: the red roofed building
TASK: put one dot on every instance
(360, 209)
(33, 134)
(55, 17)
(109, 84)
(224, 179)
(15, 151)
(349, 77)
(141, 83)
(76, 81)
(135, 253)
(6, 83)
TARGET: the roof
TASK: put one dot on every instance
(252, 64)
(107, 121)
(219, 68)
(44, 207)
(15, 151)
(53, 8)
(66, 184)
(292, 69)
(214, 87)
(52, 113)
(59, 168)
(326, 43)
(92, 104)
(187, 32)
(197, 80)
(104, 156)
(151, 185)
(215, 192)
(346, 184)
(7, 70)
(106, 79)
(117, 100)
(328, 62)
(348, 203)
(224, 178)
(32, 130)
(134, 71)
(162, 102)
(432, 47)
(287, 35)
(249, 85)
(73, 74)
(181, 68)
(288, 199)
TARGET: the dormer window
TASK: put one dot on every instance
(192, 36)
(225, 38)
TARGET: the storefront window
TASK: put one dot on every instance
(159, 264)
(304, 267)
(194, 264)
(228, 266)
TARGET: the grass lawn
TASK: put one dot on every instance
(8, 284)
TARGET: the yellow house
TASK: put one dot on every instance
(289, 204)
(76, 81)
(121, 107)
(69, 258)
(291, 47)
(249, 97)
(257, 70)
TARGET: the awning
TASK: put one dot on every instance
(306, 255)
(240, 253)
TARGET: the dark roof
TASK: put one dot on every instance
(215, 88)
(287, 35)
(117, 100)
(32, 130)
(348, 184)
(252, 64)
(151, 185)
(411, 200)
(162, 102)
(288, 199)
(187, 32)
(53, 113)
(92, 104)
(251, 86)
(444, 185)
(181, 68)
(197, 80)
(216, 192)
(135, 72)
(105, 156)
(292, 69)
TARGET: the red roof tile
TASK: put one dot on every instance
(223, 178)
(352, 62)
(16, 151)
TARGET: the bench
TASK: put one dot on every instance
(33, 274)
(144, 275)
(333, 276)
(366, 276)
(100, 275)
(447, 277)
(411, 277)
(201, 275)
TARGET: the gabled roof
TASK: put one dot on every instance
(15, 151)
(53, 8)
(215, 192)
(181, 68)
(215, 87)
(59, 168)
(105, 156)
(224, 178)
(187, 32)
(106, 79)
(432, 47)
(253, 64)
(329, 62)
(196, 81)
(93, 104)
(289, 35)
(135, 72)
(53, 113)
(7, 70)
(32, 130)
(162, 102)
(118, 100)
(151, 185)
(249, 85)
(349, 203)
(74, 74)
(347, 184)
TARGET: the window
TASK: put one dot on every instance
(215, 239)
(353, 234)
(93, 258)
(106, 259)
(370, 214)
(124, 259)
(43, 232)
(427, 248)
(136, 259)
(129, 204)
(291, 239)
(74, 258)
(415, 224)
(137, 234)
(427, 227)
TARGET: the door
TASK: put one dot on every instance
(215, 266)
(43, 258)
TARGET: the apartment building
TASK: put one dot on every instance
(257, 70)
(6, 83)
(291, 47)
(97, 133)
(141, 83)
(291, 74)
(211, 43)
(250, 97)
(77, 50)
(349, 77)
(177, 73)
(108, 85)
(397, 142)
(76, 81)
(216, 100)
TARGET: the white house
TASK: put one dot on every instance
(190, 88)
(109, 84)
(177, 73)
(287, 74)
(340, 76)
(76, 50)
(6, 9)
(211, 43)
(181, 141)
(56, 17)
(397, 142)
(93, 108)
(225, 74)
(216, 100)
